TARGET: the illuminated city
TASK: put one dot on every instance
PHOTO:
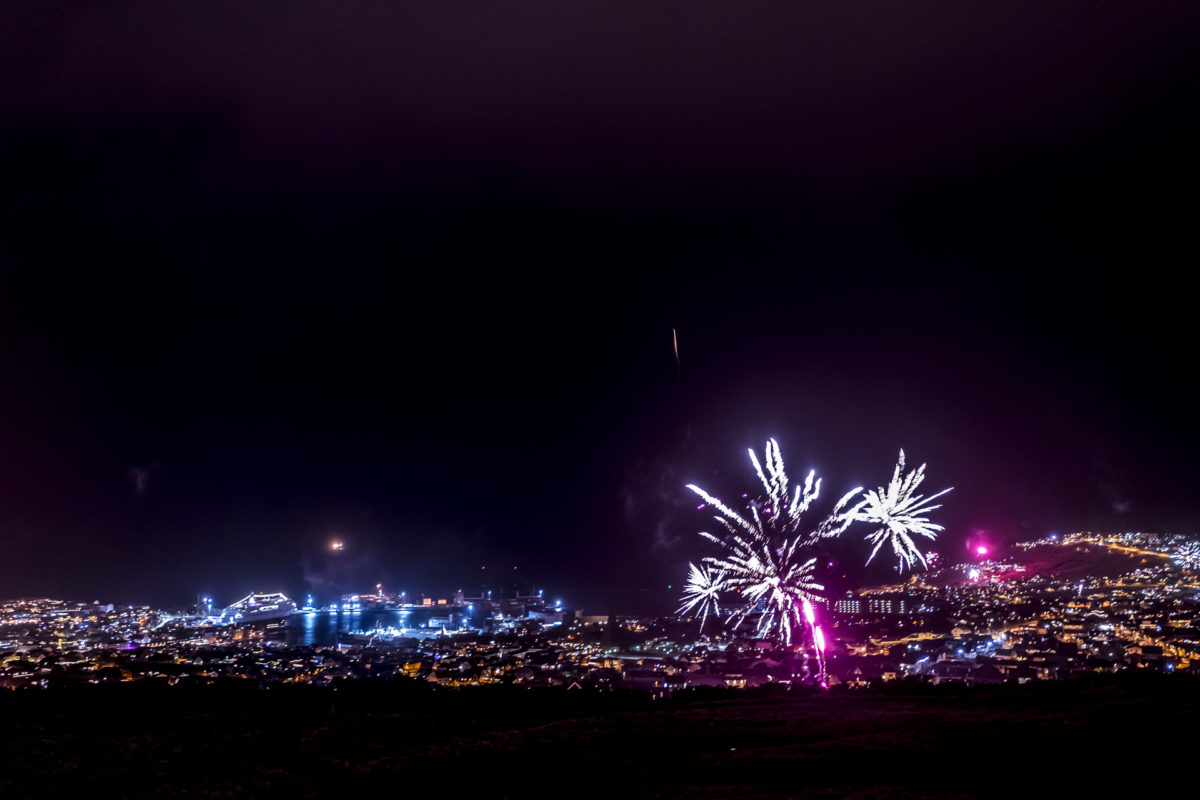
(1056, 608)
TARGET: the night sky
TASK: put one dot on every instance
(406, 274)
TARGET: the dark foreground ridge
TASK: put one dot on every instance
(1095, 736)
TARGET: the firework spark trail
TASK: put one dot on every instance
(840, 518)
(726, 511)
(776, 484)
(805, 496)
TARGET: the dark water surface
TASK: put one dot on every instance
(324, 628)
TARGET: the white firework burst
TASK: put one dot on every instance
(762, 557)
(900, 514)
(701, 593)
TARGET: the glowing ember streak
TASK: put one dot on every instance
(819, 638)
(808, 612)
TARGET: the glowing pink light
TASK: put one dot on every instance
(981, 550)
(819, 638)
(700, 507)
(808, 612)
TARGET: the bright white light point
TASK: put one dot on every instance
(819, 638)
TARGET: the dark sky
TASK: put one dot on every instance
(405, 274)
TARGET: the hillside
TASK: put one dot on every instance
(1107, 736)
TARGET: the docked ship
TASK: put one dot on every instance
(259, 607)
